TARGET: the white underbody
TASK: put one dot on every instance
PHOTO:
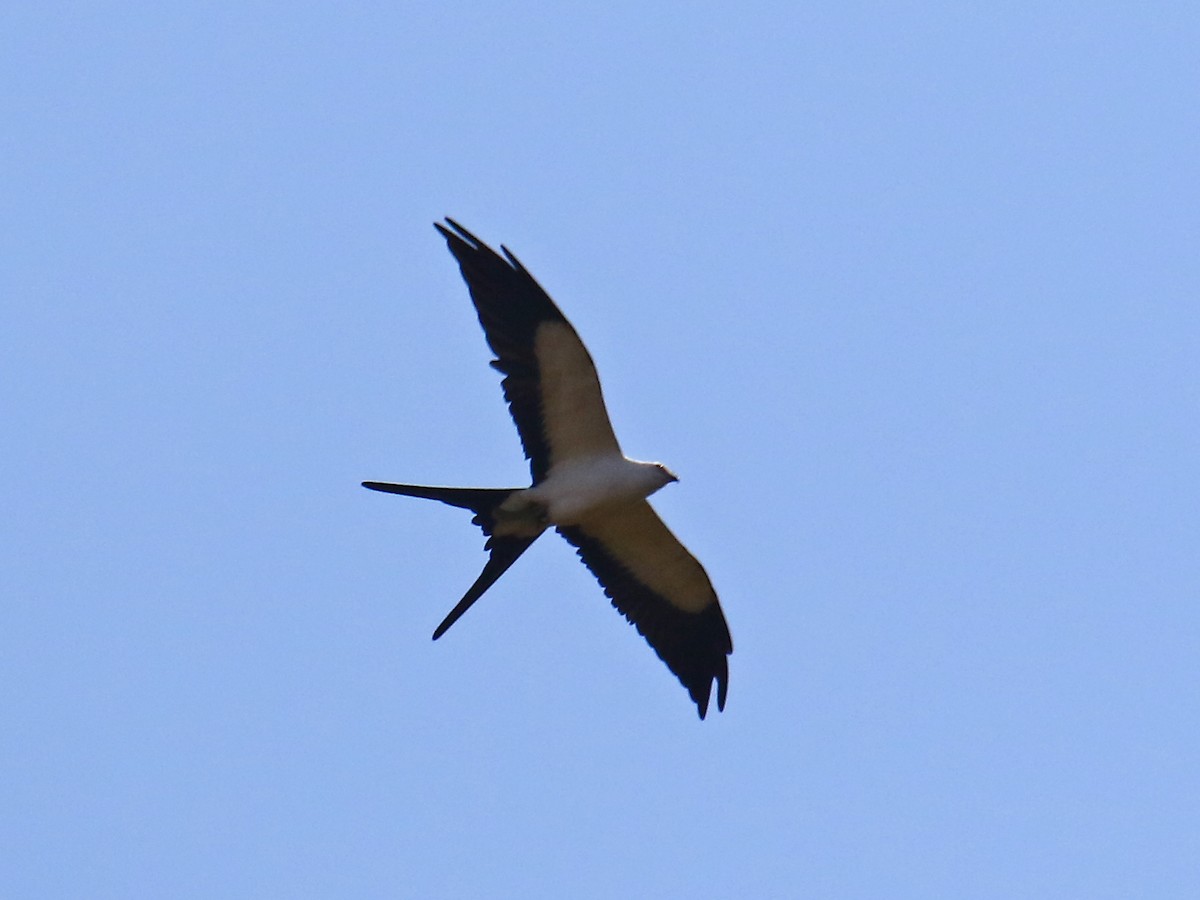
(579, 490)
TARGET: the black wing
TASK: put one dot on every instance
(549, 382)
(663, 590)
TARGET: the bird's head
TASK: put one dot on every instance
(665, 475)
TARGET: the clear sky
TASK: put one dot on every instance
(907, 294)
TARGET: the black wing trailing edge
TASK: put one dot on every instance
(695, 646)
(511, 305)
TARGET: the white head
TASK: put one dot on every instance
(660, 476)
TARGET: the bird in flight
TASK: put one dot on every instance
(583, 485)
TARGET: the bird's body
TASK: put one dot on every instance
(583, 485)
(582, 489)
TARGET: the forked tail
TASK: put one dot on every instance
(504, 549)
(481, 501)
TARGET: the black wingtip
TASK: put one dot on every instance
(723, 680)
(513, 261)
(457, 233)
(702, 701)
(446, 233)
(702, 694)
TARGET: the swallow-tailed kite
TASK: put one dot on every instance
(583, 485)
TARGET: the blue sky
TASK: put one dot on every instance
(906, 294)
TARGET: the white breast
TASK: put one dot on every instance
(584, 487)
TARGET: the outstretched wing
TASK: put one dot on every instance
(550, 381)
(663, 590)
